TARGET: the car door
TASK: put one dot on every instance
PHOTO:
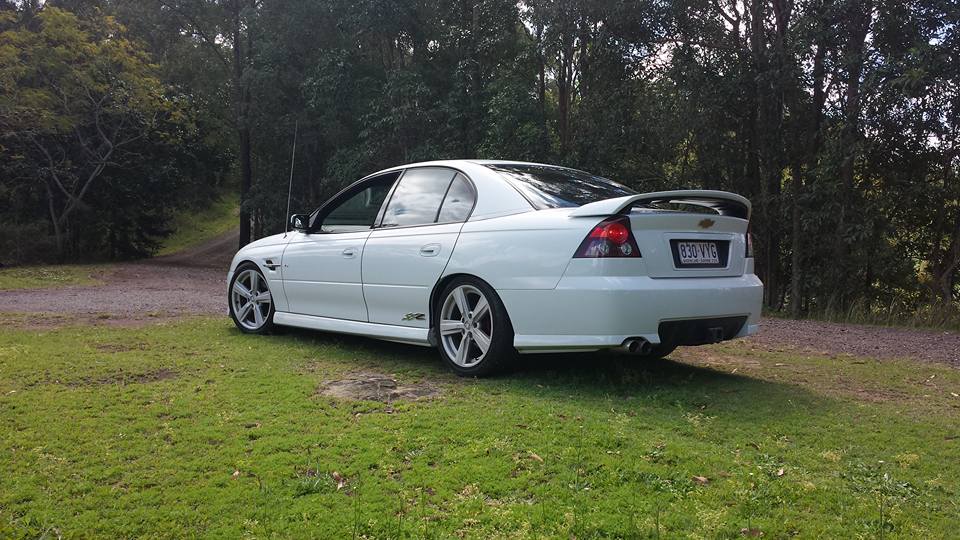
(406, 254)
(321, 266)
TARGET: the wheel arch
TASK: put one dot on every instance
(434, 299)
(234, 268)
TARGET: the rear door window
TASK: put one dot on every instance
(459, 201)
(418, 196)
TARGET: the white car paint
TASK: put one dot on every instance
(400, 269)
(376, 282)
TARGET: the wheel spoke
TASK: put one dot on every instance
(263, 297)
(257, 315)
(464, 351)
(449, 326)
(482, 340)
(461, 299)
(244, 311)
(481, 308)
(254, 282)
(241, 290)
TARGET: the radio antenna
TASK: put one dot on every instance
(293, 158)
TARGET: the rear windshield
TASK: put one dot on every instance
(557, 187)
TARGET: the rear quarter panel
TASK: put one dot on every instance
(521, 251)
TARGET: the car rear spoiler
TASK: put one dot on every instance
(722, 202)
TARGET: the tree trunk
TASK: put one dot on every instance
(246, 180)
(854, 55)
(242, 97)
(57, 233)
(542, 89)
(796, 233)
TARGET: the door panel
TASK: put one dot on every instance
(400, 268)
(321, 275)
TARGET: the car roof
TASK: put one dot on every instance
(461, 162)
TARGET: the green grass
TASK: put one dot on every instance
(193, 429)
(192, 228)
(29, 277)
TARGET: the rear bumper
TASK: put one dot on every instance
(596, 312)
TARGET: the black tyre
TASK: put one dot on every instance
(250, 301)
(474, 333)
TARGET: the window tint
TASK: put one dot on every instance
(358, 212)
(417, 199)
(459, 201)
(555, 187)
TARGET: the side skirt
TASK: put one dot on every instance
(403, 334)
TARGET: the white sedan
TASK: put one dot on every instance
(485, 258)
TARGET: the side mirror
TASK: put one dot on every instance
(299, 222)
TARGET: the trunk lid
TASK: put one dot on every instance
(690, 233)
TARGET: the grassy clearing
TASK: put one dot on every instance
(29, 277)
(194, 227)
(193, 429)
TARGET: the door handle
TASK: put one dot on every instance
(430, 250)
(350, 253)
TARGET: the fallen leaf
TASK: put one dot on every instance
(702, 480)
(236, 474)
(756, 533)
(535, 457)
(339, 479)
(954, 394)
(780, 472)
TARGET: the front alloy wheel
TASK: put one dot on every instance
(476, 337)
(251, 305)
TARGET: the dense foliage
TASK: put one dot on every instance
(838, 118)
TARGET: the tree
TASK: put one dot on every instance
(225, 28)
(78, 95)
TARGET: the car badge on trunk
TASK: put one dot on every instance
(706, 223)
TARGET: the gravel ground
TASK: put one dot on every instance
(130, 292)
(860, 340)
(193, 283)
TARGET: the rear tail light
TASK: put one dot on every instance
(748, 240)
(612, 237)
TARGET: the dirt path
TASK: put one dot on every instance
(860, 340)
(193, 282)
(214, 253)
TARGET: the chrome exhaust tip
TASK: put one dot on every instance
(637, 346)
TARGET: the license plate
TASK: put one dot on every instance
(698, 253)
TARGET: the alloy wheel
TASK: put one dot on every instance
(466, 325)
(251, 300)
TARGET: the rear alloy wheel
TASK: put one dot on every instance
(251, 304)
(475, 334)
